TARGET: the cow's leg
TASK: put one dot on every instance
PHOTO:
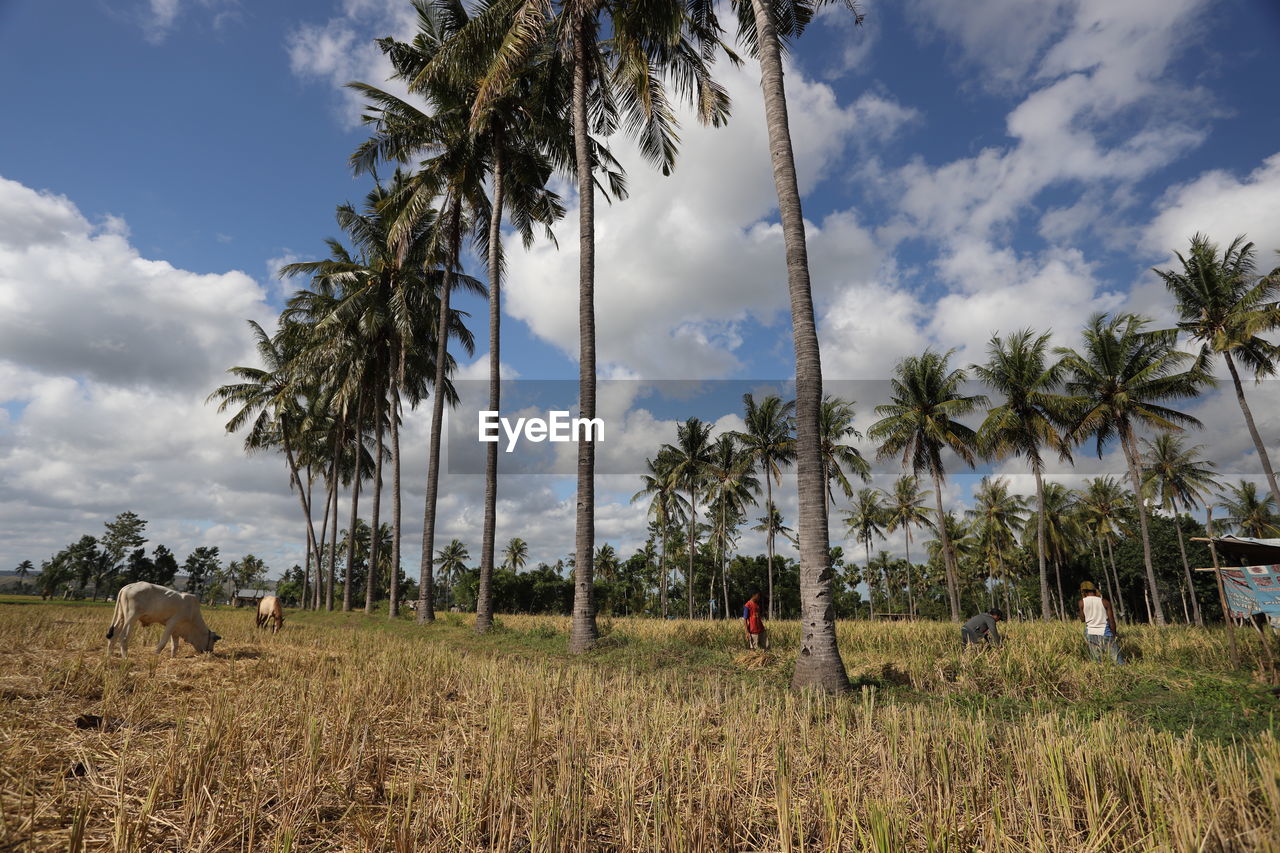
(174, 653)
(168, 633)
(124, 636)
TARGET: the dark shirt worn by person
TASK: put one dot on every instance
(981, 627)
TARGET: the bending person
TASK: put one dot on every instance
(982, 629)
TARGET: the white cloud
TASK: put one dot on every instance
(1003, 39)
(686, 260)
(163, 13)
(1109, 64)
(343, 50)
(80, 301)
(1223, 206)
(284, 286)
(160, 17)
(105, 360)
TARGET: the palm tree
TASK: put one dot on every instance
(955, 530)
(764, 28)
(621, 79)
(1062, 530)
(690, 459)
(1121, 380)
(515, 131)
(516, 554)
(1178, 477)
(667, 509)
(452, 563)
(834, 427)
(904, 510)
(453, 177)
(1249, 513)
(1028, 421)
(360, 326)
(270, 401)
(866, 520)
(997, 518)
(731, 487)
(1100, 507)
(920, 423)
(768, 440)
(1224, 305)
(367, 315)
(771, 524)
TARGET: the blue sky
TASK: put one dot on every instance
(1024, 163)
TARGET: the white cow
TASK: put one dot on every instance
(152, 604)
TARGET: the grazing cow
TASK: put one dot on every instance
(269, 610)
(151, 604)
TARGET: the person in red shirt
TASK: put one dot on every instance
(757, 637)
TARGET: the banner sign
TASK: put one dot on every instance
(1252, 589)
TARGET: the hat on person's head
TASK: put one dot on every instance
(1088, 586)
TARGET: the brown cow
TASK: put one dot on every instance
(269, 610)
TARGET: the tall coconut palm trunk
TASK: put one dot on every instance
(724, 578)
(1045, 611)
(305, 602)
(370, 583)
(333, 520)
(304, 498)
(1062, 599)
(1186, 570)
(662, 569)
(426, 579)
(768, 537)
(393, 605)
(871, 578)
(1263, 458)
(484, 592)
(693, 526)
(911, 600)
(948, 553)
(583, 633)
(1096, 546)
(355, 508)
(1135, 480)
(317, 588)
(819, 663)
(1115, 574)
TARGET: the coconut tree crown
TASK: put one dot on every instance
(920, 421)
(1122, 377)
(1224, 304)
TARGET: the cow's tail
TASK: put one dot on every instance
(116, 617)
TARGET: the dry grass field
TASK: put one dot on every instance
(346, 733)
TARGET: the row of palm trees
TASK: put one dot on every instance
(994, 536)
(501, 100)
(1125, 377)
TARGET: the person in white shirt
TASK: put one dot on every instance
(1099, 624)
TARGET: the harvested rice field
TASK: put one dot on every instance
(346, 733)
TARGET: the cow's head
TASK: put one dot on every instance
(208, 644)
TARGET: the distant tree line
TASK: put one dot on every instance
(98, 566)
